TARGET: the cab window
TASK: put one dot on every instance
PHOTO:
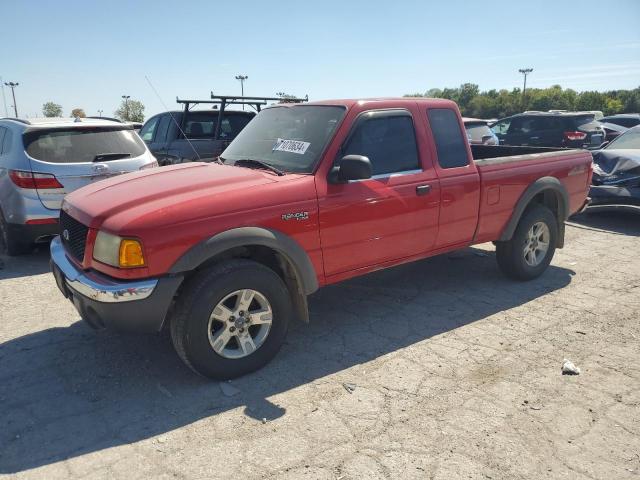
(388, 140)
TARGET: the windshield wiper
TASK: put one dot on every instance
(101, 157)
(259, 163)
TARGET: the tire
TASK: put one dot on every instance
(10, 244)
(515, 257)
(203, 296)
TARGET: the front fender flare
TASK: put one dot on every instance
(248, 236)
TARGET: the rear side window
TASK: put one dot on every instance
(388, 141)
(450, 144)
(203, 125)
(232, 125)
(146, 133)
(82, 145)
(163, 128)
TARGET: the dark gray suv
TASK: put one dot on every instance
(174, 138)
(543, 129)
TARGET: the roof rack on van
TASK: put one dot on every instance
(223, 100)
(254, 102)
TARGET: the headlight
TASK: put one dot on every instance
(117, 251)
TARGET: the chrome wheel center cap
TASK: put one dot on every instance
(240, 321)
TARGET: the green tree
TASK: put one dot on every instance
(130, 111)
(78, 112)
(51, 109)
(613, 106)
(503, 103)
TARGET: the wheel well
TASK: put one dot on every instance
(552, 199)
(272, 259)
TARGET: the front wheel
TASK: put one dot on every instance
(231, 319)
(529, 252)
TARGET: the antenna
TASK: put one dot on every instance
(4, 99)
(172, 117)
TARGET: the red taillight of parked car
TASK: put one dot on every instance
(42, 221)
(32, 180)
(575, 135)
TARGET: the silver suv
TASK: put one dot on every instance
(43, 160)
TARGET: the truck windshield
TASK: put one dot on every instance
(288, 138)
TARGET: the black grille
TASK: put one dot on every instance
(75, 237)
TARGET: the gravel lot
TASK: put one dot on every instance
(455, 369)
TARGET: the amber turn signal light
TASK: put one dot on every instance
(131, 254)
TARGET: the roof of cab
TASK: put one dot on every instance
(383, 100)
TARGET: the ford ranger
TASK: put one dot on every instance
(225, 254)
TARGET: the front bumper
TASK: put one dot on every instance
(104, 302)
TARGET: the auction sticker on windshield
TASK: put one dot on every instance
(292, 146)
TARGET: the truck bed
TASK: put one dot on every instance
(507, 171)
(499, 152)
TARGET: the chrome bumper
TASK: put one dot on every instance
(94, 285)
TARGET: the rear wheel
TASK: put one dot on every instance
(529, 252)
(231, 319)
(10, 244)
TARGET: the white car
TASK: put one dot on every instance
(41, 160)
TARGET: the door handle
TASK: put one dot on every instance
(423, 189)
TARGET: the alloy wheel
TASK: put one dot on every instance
(536, 244)
(240, 323)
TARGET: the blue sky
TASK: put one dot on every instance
(89, 53)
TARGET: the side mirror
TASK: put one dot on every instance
(486, 139)
(351, 167)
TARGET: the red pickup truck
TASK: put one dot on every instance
(225, 254)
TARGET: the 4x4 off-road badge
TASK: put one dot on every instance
(295, 216)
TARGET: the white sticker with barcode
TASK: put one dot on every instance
(291, 146)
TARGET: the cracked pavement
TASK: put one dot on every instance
(455, 373)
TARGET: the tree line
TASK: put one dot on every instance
(129, 111)
(502, 103)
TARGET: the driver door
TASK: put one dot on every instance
(390, 216)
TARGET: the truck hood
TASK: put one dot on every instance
(169, 194)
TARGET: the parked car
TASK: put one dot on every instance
(479, 133)
(612, 130)
(201, 135)
(41, 160)
(224, 254)
(176, 137)
(597, 114)
(624, 119)
(543, 129)
(616, 173)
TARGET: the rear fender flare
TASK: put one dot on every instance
(541, 185)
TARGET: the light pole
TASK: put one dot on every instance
(525, 72)
(4, 99)
(13, 85)
(242, 78)
(126, 106)
(100, 113)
